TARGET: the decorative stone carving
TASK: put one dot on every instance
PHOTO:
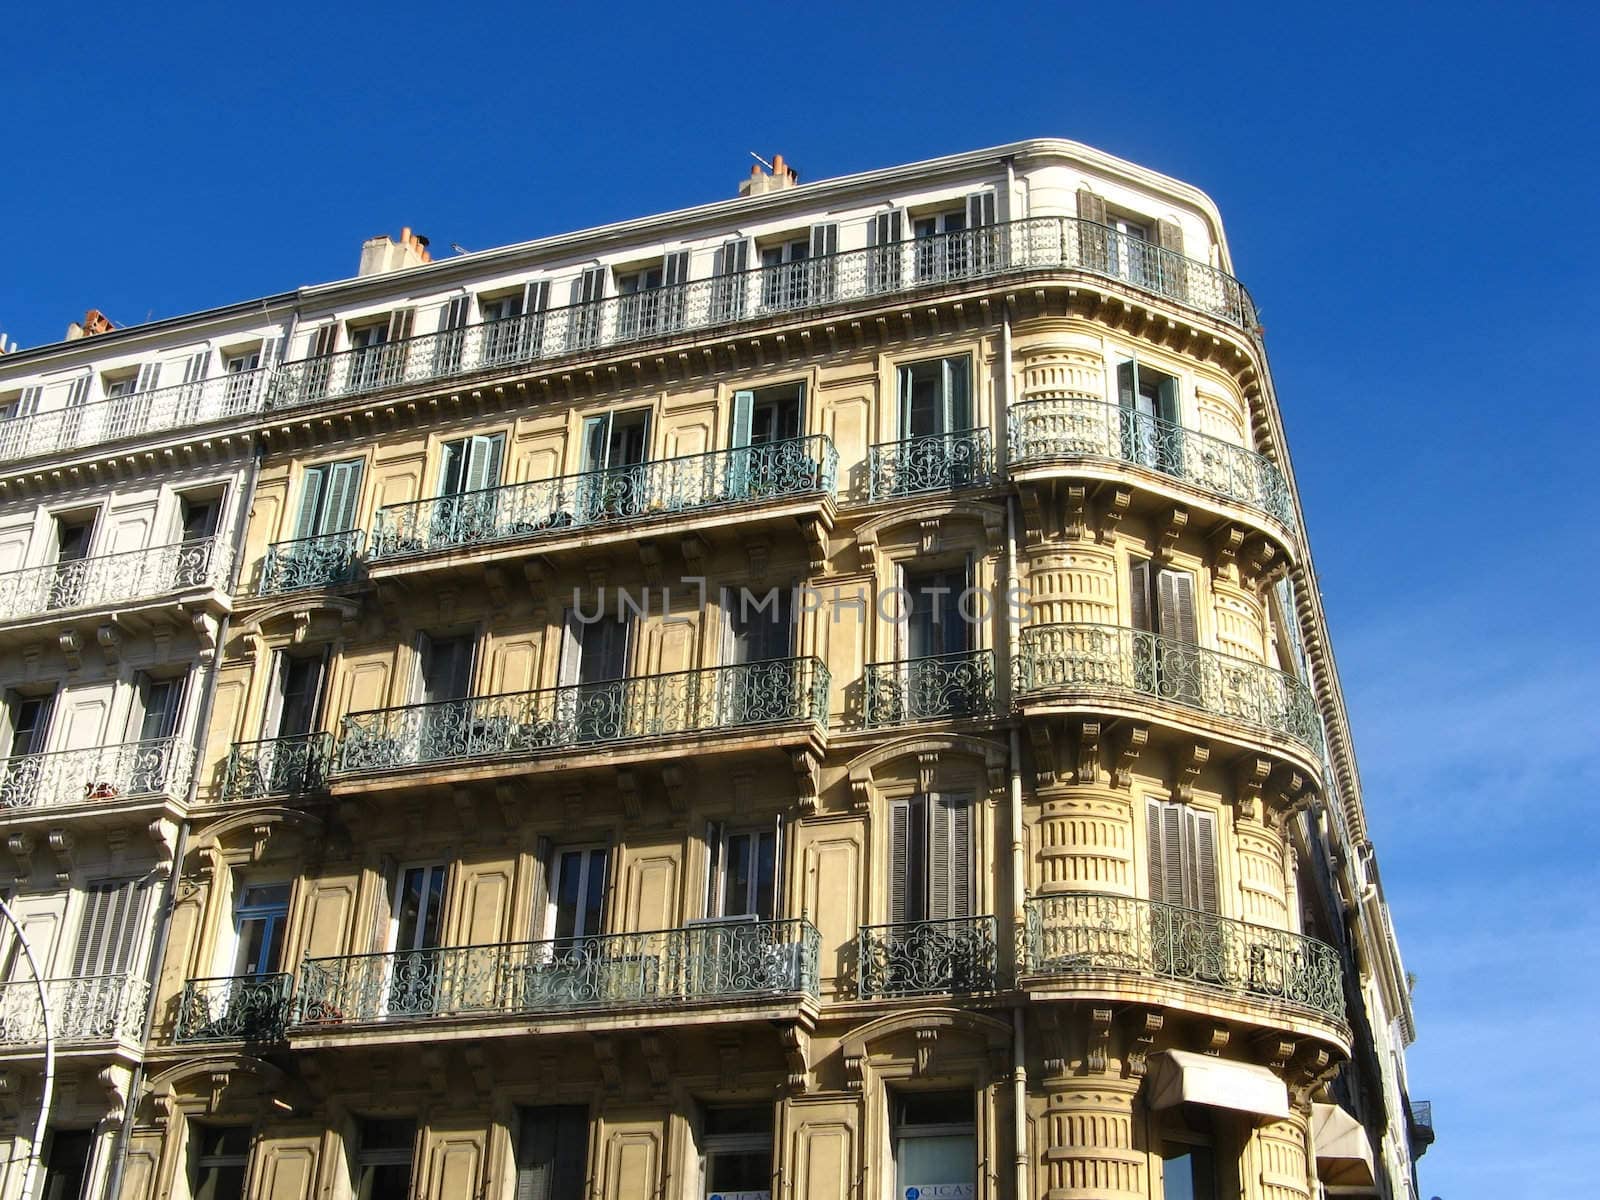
(1143, 1025)
(1130, 743)
(1187, 764)
(71, 648)
(1089, 752)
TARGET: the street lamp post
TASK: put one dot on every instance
(30, 1172)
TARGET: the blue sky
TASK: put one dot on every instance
(1411, 194)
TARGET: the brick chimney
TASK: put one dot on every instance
(380, 255)
(94, 321)
(760, 183)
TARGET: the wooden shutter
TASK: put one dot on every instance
(733, 257)
(675, 268)
(957, 394)
(80, 391)
(483, 462)
(536, 296)
(1202, 855)
(400, 324)
(29, 402)
(310, 496)
(899, 860)
(1170, 235)
(1139, 594)
(343, 490)
(1091, 207)
(824, 240)
(596, 435)
(713, 868)
(324, 340)
(271, 347)
(744, 403)
(1128, 385)
(279, 687)
(950, 858)
(1175, 616)
(884, 228)
(455, 313)
(590, 286)
(1167, 400)
(149, 377)
(1164, 835)
(571, 650)
(777, 866)
(980, 210)
(109, 932)
(194, 368)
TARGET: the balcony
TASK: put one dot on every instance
(95, 1008)
(725, 961)
(624, 496)
(134, 772)
(712, 701)
(238, 1008)
(328, 560)
(115, 580)
(927, 958)
(760, 294)
(1091, 934)
(939, 462)
(1101, 659)
(1063, 428)
(284, 766)
(929, 689)
(76, 427)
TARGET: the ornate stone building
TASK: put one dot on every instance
(819, 694)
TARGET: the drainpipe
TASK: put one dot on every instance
(158, 951)
(42, 1124)
(1019, 1060)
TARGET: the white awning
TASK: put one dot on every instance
(1344, 1152)
(1180, 1077)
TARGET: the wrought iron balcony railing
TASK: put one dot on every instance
(97, 774)
(326, 560)
(236, 1008)
(714, 961)
(922, 958)
(795, 467)
(114, 579)
(1111, 658)
(777, 691)
(1033, 244)
(925, 689)
(1087, 933)
(283, 766)
(58, 430)
(937, 462)
(1060, 427)
(94, 1008)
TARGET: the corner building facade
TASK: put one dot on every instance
(815, 695)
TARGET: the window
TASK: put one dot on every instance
(769, 415)
(743, 872)
(378, 350)
(935, 624)
(552, 1153)
(471, 464)
(935, 1145)
(930, 858)
(507, 337)
(758, 626)
(218, 1157)
(885, 262)
(160, 703)
(651, 299)
(382, 1166)
(416, 927)
(1182, 846)
(577, 898)
(1188, 1172)
(260, 916)
(109, 930)
(240, 364)
(1161, 602)
(328, 499)
(587, 291)
(69, 583)
(594, 662)
(66, 1162)
(1149, 404)
(27, 723)
(296, 695)
(198, 516)
(736, 1153)
(785, 281)
(934, 397)
(613, 443)
(445, 669)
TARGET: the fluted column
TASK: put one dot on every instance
(1086, 843)
(1073, 582)
(1241, 625)
(1282, 1166)
(1263, 891)
(1088, 1143)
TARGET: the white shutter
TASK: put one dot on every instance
(344, 489)
(950, 865)
(112, 925)
(1202, 849)
(483, 462)
(571, 650)
(149, 377)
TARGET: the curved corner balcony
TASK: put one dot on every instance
(282, 766)
(78, 426)
(238, 1008)
(1057, 430)
(717, 962)
(938, 687)
(704, 705)
(1110, 659)
(138, 773)
(93, 1008)
(935, 462)
(327, 560)
(759, 295)
(803, 468)
(129, 579)
(1076, 934)
(927, 958)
